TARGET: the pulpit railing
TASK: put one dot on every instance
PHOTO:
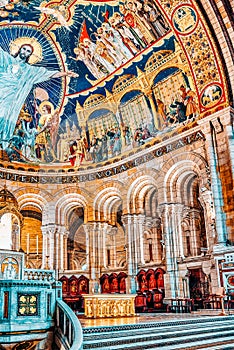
(40, 275)
(68, 335)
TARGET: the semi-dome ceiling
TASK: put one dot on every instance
(136, 72)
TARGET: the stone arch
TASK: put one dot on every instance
(32, 196)
(184, 177)
(106, 203)
(138, 190)
(178, 171)
(66, 203)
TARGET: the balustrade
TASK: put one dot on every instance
(40, 275)
(69, 334)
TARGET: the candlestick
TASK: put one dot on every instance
(37, 244)
(46, 247)
(28, 240)
(19, 240)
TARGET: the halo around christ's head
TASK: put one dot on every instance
(16, 44)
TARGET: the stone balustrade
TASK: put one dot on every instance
(68, 335)
(40, 275)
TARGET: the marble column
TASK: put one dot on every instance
(65, 239)
(92, 234)
(140, 238)
(49, 254)
(52, 231)
(61, 248)
(207, 202)
(104, 230)
(170, 238)
(113, 248)
(131, 285)
(45, 247)
(228, 124)
(216, 186)
(157, 236)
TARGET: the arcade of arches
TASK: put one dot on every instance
(156, 220)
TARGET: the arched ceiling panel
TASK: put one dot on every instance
(63, 60)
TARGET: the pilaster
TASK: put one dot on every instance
(210, 131)
(170, 240)
(131, 285)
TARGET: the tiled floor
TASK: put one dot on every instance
(139, 318)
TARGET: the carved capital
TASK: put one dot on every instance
(217, 125)
(126, 219)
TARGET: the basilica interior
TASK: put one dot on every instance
(116, 165)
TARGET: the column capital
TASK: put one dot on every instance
(162, 207)
(90, 226)
(111, 231)
(157, 222)
(49, 228)
(218, 119)
(126, 219)
(206, 198)
(62, 230)
(140, 218)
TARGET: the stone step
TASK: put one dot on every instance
(157, 324)
(213, 312)
(223, 342)
(207, 344)
(222, 346)
(169, 338)
(167, 328)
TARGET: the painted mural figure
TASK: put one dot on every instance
(17, 78)
(128, 19)
(127, 135)
(104, 141)
(102, 65)
(162, 111)
(188, 97)
(29, 141)
(126, 34)
(9, 270)
(78, 150)
(137, 24)
(44, 137)
(83, 54)
(110, 52)
(117, 142)
(153, 19)
(113, 36)
(14, 149)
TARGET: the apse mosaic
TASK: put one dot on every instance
(82, 82)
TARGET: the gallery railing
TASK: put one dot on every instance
(40, 275)
(68, 335)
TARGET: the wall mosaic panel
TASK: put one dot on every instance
(85, 81)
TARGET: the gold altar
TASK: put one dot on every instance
(109, 305)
